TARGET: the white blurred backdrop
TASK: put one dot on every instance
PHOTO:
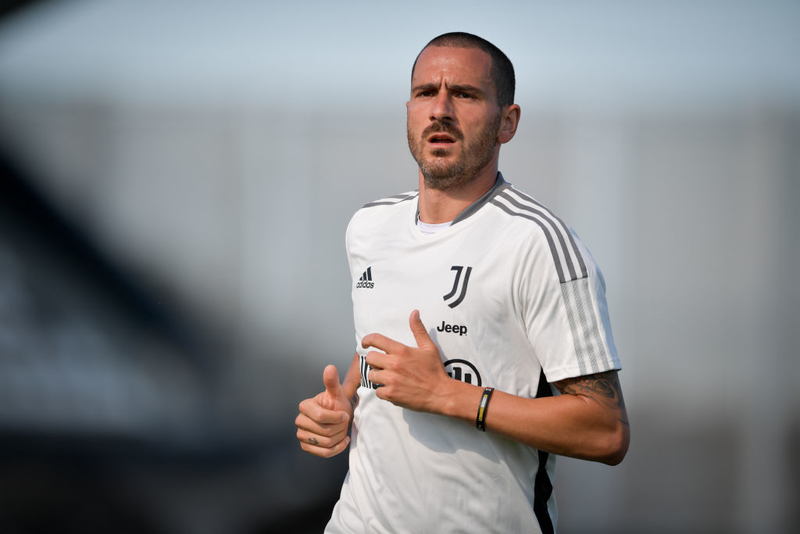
(215, 152)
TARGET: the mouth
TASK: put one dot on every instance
(441, 139)
(441, 135)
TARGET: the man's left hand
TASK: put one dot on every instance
(411, 377)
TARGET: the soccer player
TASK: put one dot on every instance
(473, 304)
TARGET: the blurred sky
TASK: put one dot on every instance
(306, 53)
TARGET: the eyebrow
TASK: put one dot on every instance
(457, 88)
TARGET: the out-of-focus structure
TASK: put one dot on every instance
(176, 181)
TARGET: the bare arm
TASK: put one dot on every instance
(588, 420)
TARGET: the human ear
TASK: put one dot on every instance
(508, 123)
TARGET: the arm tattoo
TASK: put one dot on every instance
(602, 388)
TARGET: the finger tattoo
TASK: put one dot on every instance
(313, 441)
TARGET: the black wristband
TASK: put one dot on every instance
(480, 421)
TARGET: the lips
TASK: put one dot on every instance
(441, 139)
(441, 134)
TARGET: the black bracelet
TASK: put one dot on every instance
(480, 421)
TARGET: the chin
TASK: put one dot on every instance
(444, 181)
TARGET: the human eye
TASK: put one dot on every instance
(464, 93)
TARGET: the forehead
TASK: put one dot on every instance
(454, 65)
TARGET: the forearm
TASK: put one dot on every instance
(572, 424)
(587, 420)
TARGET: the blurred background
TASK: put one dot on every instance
(175, 182)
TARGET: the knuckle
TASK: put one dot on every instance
(312, 413)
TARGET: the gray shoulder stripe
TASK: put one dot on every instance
(388, 201)
(563, 226)
(564, 248)
(499, 185)
(545, 230)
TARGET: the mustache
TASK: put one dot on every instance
(443, 127)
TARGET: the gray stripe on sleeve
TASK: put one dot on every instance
(585, 326)
(588, 325)
(570, 307)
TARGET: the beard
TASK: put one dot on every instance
(475, 155)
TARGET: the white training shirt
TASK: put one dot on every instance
(514, 301)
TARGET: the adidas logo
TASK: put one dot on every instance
(366, 280)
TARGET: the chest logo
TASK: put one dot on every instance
(459, 329)
(459, 286)
(365, 282)
(463, 371)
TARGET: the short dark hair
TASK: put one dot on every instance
(502, 71)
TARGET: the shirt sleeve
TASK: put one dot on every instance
(565, 313)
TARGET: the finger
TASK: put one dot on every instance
(312, 409)
(380, 392)
(304, 422)
(326, 442)
(381, 342)
(330, 377)
(323, 452)
(418, 329)
(377, 360)
(374, 376)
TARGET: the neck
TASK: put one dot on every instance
(437, 207)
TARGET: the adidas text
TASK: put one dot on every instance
(364, 284)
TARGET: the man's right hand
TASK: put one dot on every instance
(323, 420)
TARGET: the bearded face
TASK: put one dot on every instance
(452, 159)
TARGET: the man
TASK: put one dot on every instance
(512, 302)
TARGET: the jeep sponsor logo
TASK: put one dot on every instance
(459, 329)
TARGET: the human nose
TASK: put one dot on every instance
(442, 107)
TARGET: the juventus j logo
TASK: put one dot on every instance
(461, 292)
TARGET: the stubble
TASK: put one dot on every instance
(443, 176)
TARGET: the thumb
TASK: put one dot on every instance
(418, 329)
(330, 377)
